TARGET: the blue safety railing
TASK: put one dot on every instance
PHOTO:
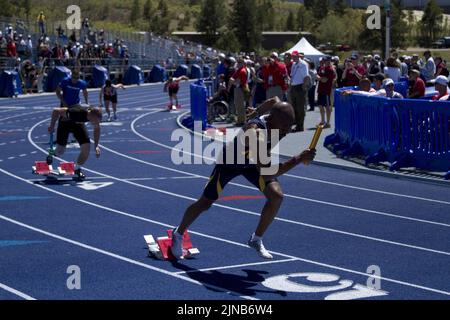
(404, 132)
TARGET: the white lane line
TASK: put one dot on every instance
(89, 203)
(351, 234)
(21, 115)
(116, 256)
(366, 189)
(16, 292)
(237, 266)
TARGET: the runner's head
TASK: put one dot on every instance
(75, 75)
(108, 83)
(281, 117)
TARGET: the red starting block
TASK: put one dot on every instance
(67, 168)
(160, 248)
(42, 168)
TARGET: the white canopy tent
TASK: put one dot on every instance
(308, 50)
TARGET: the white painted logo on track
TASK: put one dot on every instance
(89, 186)
(314, 282)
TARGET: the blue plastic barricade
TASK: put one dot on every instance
(99, 76)
(158, 74)
(134, 75)
(182, 70)
(199, 95)
(196, 72)
(404, 132)
(206, 71)
(55, 77)
(10, 84)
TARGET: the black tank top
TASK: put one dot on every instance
(77, 114)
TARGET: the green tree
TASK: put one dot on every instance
(135, 12)
(305, 19)
(163, 8)
(339, 7)
(244, 24)
(7, 8)
(321, 8)
(228, 41)
(310, 4)
(26, 4)
(210, 20)
(148, 8)
(376, 39)
(265, 17)
(290, 23)
(431, 23)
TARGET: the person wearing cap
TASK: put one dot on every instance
(429, 69)
(275, 77)
(417, 88)
(41, 22)
(441, 86)
(377, 81)
(220, 69)
(300, 83)
(325, 77)
(353, 73)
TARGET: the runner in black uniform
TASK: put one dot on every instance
(281, 116)
(109, 93)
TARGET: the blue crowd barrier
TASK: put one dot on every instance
(158, 74)
(55, 77)
(404, 132)
(196, 72)
(134, 75)
(99, 76)
(182, 70)
(10, 84)
(199, 95)
(206, 71)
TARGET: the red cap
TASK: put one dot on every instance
(295, 54)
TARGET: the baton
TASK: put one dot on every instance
(316, 137)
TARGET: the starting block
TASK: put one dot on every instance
(160, 248)
(44, 169)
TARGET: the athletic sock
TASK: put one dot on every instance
(256, 238)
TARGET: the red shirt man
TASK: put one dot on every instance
(353, 73)
(241, 75)
(11, 49)
(326, 72)
(275, 74)
(418, 89)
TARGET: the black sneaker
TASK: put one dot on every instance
(79, 176)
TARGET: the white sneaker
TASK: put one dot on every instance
(259, 247)
(177, 244)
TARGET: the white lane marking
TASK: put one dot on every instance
(366, 189)
(351, 234)
(116, 256)
(89, 203)
(16, 292)
(25, 114)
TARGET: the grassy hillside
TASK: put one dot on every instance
(115, 14)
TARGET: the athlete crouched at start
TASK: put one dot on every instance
(74, 119)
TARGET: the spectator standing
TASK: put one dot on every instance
(354, 72)
(325, 77)
(312, 90)
(241, 90)
(298, 89)
(275, 78)
(441, 67)
(41, 22)
(429, 70)
(11, 50)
